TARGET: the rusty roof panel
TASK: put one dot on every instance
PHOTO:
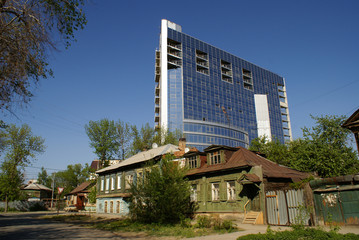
(244, 158)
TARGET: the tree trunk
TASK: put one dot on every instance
(6, 203)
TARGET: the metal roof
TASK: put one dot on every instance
(36, 186)
(142, 157)
(81, 188)
(244, 158)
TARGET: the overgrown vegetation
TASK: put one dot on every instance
(183, 229)
(162, 195)
(324, 149)
(111, 140)
(29, 30)
(20, 147)
(300, 234)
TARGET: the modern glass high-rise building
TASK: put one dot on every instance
(214, 97)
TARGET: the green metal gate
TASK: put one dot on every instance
(339, 206)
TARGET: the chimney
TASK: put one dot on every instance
(182, 144)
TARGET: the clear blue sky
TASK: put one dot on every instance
(109, 71)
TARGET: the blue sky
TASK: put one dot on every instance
(109, 71)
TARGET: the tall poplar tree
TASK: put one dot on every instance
(20, 148)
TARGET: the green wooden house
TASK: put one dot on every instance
(243, 184)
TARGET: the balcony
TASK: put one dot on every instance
(201, 55)
(174, 63)
(202, 63)
(173, 44)
(157, 91)
(246, 73)
(226, 72)
(176, 54)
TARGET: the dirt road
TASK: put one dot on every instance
(30, 226)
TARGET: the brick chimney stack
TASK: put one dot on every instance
(182, 144)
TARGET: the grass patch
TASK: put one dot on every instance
(127, 225)
(300, 234)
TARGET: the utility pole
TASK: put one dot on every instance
(53, 186)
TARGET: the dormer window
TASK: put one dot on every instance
(193, 162)
(214, 157)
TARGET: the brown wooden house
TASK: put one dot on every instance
(79, 196)
(235, 181)
(352, 123)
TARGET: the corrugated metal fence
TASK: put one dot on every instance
(285, 207)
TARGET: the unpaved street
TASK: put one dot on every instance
(29, 226)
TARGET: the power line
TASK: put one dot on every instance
(326, 93)
(53, 169)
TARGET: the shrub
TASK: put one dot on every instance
(186, 223)
(163, 195)
(296, 234)
(204, 221)
(37, 206)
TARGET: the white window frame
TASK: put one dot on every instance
(102, 184)
(231, 190)
(112, 183)
(107, 185)
(215, 157)
(118, 206)
(215, 191)
(192, 162)
(194, 192)
(119, 181)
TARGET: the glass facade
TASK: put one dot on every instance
(211, 94)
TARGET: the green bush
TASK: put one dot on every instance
(300, 234)
(37, 206)
(186, 223)
(203, 222)
(163, 195)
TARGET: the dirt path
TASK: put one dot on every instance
(30, 226)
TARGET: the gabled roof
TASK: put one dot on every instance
(352, 121)
(95, 165)
(142, 157)
(245, 158)
(36, 186)
(83, 187)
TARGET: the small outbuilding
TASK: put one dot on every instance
(336, 200)
(79, 196)
(37, 192)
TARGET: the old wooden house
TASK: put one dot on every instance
(225, 181)
(114, 181)
(236, 181)
(79, 196)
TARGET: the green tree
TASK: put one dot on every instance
(28, 30)
(163, 136)
(104, 139)
(72, 177)
(142, 139)
(323, 149)
(273, 150)
(43, 178)
(146, 136)
(92, 194)
(11, 180)
(163, 195)
(124, 138)
(21, 146)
